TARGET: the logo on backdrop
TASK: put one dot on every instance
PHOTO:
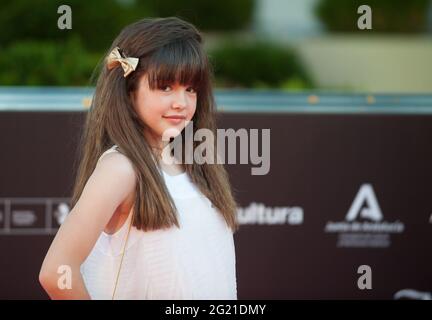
(371, 211)
(411, 294)
(364, 225)
(258, 213)
(32, 216)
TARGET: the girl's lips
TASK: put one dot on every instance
(174, 119)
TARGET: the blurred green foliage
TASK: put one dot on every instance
(258, 64)
(97, 22)
(212, 15)
(47, 63)
(397, 16)
(94, 22)
(35, 52)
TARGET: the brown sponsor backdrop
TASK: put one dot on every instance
(318, 163)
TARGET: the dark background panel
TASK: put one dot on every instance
(318, 163)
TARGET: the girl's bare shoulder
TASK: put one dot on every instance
(114, 174)
(117, 163)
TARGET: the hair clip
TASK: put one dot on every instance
(128, 64)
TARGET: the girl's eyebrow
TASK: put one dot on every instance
(178, 84)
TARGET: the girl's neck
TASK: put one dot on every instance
(155, 142)
(157, 145)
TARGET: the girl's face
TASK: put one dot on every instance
(164, 110)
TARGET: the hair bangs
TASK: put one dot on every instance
(179, 62)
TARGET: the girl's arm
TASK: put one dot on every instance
(109, 185)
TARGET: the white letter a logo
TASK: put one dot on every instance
(371, 211)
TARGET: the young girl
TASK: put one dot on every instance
(141, 228)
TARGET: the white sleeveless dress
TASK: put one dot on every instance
(195, 261)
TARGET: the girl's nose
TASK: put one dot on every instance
(180, 100)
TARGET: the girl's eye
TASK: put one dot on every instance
(167, 88)
(191, 90)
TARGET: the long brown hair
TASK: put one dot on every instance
(169, 50)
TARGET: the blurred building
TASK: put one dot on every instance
(362, 61)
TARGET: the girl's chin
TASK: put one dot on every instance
(171, 132)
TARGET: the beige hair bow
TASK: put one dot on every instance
(115, 58)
